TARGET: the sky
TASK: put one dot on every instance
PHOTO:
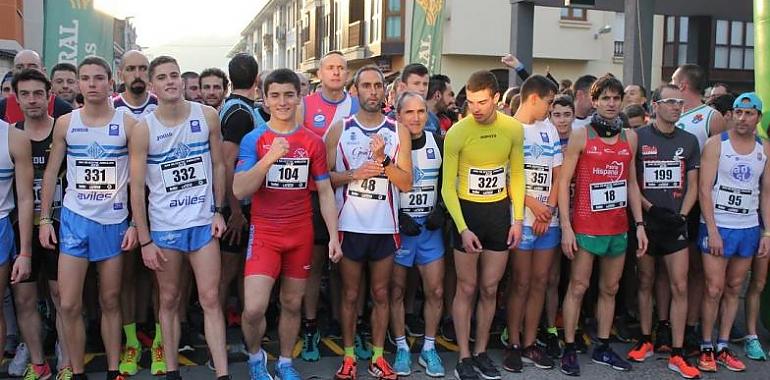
(198, 33)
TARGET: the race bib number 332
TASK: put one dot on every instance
(183, 174)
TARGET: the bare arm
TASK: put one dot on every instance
(55, 159)
(230, 154)
(137, 153)
(400, 174)
(691, 195)
(217, 160)
(21, 152)
(328, 206)
(764, 201)
(576, 144)
(634, 195)
(717, 124)
(708, 171)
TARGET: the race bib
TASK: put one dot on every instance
(538, 177)
(288, 173)
(735, 200)
(96, 175)
(183, 174)
(608, 195)
(419, 201)
(486, 181)
(371, 188)
(662, 174)
(37, 189)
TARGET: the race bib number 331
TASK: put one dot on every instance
(96, 175)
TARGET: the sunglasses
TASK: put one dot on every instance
(671, 102)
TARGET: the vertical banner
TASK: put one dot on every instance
(762, 69)
(427, 37)
(75, 30)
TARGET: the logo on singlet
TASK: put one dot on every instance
(181, 151)
(697, 118)
(187, 201)
(544, 137)
(114, 130)
(431, 153)
(648, 150)
(75, 130)
(319, 120)
(96, 150)
(537, 150)
(612, 170)
(195, 126)
(741, 172)
(417, 174)
(164, 136)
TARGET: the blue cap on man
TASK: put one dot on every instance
(748, 100)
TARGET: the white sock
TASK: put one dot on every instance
(256, 357)
(401, 343)
(429, 343)
(283, 360)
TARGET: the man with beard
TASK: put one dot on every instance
(64, 81)
(192, 88)
(213, 85)
(137, 98)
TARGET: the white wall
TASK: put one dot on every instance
(479, 27)
(33, 25)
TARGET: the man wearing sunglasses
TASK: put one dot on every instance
(667, 164)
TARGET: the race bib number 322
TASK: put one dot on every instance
(486, 181)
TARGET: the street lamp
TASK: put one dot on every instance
(603, 30)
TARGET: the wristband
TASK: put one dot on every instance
(46, 221)
(218, 209)
(132, 224)
(386, 161)
(766, 233)
(25, 255)
(146, 244)
(640, 224)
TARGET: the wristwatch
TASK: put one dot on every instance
(386, 161)
(219, 209)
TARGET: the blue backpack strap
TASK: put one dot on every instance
(725, 136)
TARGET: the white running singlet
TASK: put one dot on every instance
(426, 166)
(97, 170)
(698, 122)
(371, 205)
(7, 171)
(542, 153)
(736, 190)
(179, 173)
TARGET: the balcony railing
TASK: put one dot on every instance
(618, 51)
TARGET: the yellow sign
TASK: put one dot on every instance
(432, 9)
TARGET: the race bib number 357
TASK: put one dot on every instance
(486, 181)
(96, 175)
(608, 195)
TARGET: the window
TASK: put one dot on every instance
(374, 34)
(734, 45)
(574, 14)
(393, 20)
(675, 45)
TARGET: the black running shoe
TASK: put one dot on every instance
(464, 370)
(485, 367)
(512, 361)
(535, 354)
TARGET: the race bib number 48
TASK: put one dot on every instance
(736, 201)
(486, 181)
(288, 173)
(96, 175)
(183, 174)
(371, 188)
(662, 174)
(608, 195)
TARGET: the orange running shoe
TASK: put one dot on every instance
(347, 370)
(380, 369)
(680, 365)
(641, 351)
(707, 362)
(728, 359)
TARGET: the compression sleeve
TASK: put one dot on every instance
(452, 145)
(516, 186)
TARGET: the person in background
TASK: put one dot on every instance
(192, 87)
(635, 115)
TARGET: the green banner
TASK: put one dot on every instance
(75, 30)
(427, 39)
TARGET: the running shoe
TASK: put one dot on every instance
(432, 363)
(362, 350)
(403, 363)
(464, 370)
(486, 367)
(18, 365)
(641, 351)
(448, 330)
(605, 356)
(64, 374)
(512, 361)
(37, 372)
(707, 361)
(663, 338)
(535, 354)
(381, 370)
(691, 344)
(129, 360)
(680, 365)
(581, 341)
(569, 363)
(158, 365)
(504, 337)
(552, 345)
(754, 350)
(310, 351)
(730, 361)
(286, 371)
(258, 369)
(347, 370)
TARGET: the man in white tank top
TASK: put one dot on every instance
(733, 196)
(94, 219)
(177, 153)
(15, 167)
(369, 159)
(702, 121)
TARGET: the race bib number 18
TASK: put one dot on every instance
(486, 181)
(608, 195)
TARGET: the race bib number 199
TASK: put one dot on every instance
(96, 175)
(608, 195)
(662, 174)
(486, 181)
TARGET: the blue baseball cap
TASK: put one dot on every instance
(753, 101)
